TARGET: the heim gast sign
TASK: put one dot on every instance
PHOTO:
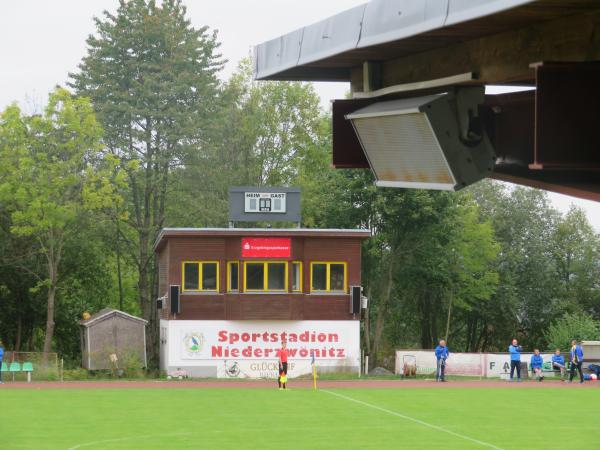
(248, 349)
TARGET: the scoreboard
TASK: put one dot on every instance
(265, 202)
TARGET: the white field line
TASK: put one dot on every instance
(130, 438)
(412, 419)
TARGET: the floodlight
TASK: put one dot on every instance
(431, 142)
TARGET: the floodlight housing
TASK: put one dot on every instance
(432, 142)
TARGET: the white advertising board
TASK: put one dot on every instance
(491, 365)
(248, 349)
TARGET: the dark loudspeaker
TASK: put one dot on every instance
(355, 294)
(174, 299)
(159, 303)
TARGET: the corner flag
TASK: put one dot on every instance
(314, 367)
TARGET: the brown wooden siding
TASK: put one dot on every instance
(242, 306)
(264, 307)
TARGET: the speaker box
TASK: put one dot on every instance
(355, 294)
(174, 299)
(159, 303)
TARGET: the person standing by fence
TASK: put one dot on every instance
(441, 354)
(1, 356)
(576, 361)
(515, 359)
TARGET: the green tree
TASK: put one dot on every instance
(268, 128)
(427, 248)
(474, 276)
(575, 250)
(152, 79)
(53, 174)
(578, 326)
(527, 298)
(22, 307)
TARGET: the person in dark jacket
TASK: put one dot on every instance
(576, 361)
(536, 364)
(558, 362)
(515, 359)
(441, 354)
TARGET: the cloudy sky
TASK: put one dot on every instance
(41, 41)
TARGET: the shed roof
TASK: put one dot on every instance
(167, 233)
(386, 29)
(108, 312)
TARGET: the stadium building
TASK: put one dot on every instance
(231, 295)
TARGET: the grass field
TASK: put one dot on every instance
(226, 418)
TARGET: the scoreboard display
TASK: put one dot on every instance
(265, 202)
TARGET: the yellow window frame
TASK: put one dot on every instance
(200, 278)
(328, 265)
(300, 279)
(229, 264)
(266, 276)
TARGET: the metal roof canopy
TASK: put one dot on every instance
(383, 30)
(545, 138)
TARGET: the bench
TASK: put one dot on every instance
(15, 367)
(548, 368)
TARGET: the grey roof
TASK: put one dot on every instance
(328, 49)
(317, 232)
(107, 312)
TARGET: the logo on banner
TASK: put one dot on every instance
(266, 247)
(232, 370)
(193, 343)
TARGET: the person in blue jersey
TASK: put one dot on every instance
(536, 364)
(515, 359)
(558, 362)
(576, 361)
(1, 356)
(441, 354)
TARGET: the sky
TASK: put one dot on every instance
(41, 41)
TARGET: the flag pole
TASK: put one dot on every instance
(314, 367)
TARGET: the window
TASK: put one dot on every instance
(328, 277)
(255, 277)
(191, 277)
(276, 276)
(297, 276)
(200, 276)
(265, 276)
(233, 276)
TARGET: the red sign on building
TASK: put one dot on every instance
(266, 247)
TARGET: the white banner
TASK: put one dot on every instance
(249, 348)
(491, 365)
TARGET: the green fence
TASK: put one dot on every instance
(18, 366)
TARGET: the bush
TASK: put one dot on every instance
(75, 374)
(580, 326)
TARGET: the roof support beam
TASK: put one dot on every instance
(501, 58)
(371, 76)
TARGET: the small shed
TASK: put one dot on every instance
(113, 332)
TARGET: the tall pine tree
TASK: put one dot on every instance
(152, 79)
